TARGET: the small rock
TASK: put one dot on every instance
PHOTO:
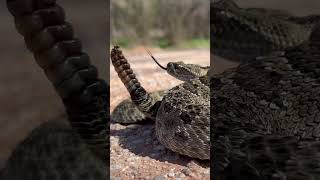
(181, 175)
(115, 167)
(131, 159)
(207, 171)
(160, 177)
(187, 172)
(171, 174)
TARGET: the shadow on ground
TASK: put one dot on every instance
(141, 140)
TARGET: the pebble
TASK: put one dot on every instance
(181, 175)
(132, 158)
(115, 167)
(207, 171)
(171, 174)
(187, 172)
(160, 177)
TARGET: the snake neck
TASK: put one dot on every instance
(140, 97)
(51, 40)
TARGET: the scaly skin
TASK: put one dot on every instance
(265, 113)
(265, 117)
(241, 34)
(182, 116)
(52, 151)
(127, 112)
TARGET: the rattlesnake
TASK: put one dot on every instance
(181, 125)
(55, 150)
(264, 114)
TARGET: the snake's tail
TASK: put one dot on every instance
(51, 40)
(139, 96)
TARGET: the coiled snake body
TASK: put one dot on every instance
(55, 151)
(181, 125)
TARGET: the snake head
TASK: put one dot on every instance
(186, 72)
(182, 71)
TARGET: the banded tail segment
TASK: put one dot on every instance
(51, 40)
(140, 97)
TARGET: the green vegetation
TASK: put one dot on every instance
(195, 43)
(160, 23)
(122, 42)
(164, 43)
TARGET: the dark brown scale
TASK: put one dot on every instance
(187, 119)
(66, 69)
(181, 135)
(260, 119)
(265, 30)
(139, 95)
(167, 107)
(85, 96)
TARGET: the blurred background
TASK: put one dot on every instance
(27, 99)
(160, 23)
